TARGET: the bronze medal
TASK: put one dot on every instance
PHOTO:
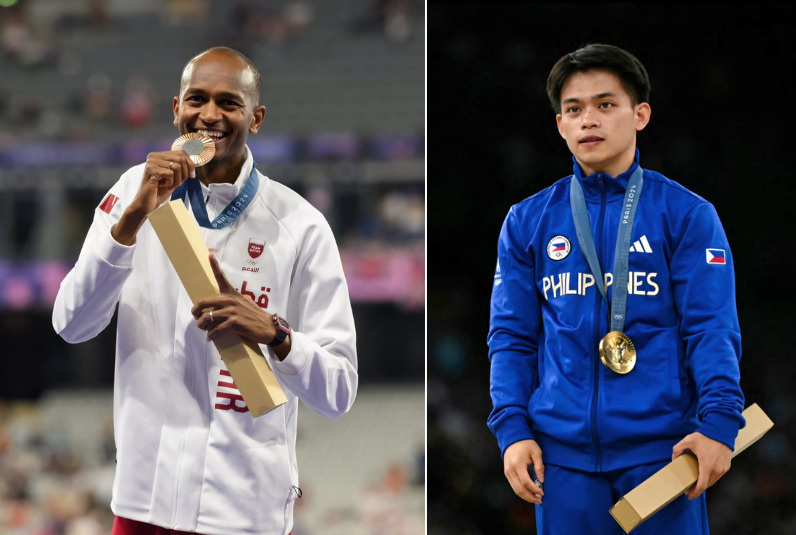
(200, 148)
(618, 352)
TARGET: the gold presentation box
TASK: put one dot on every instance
(180, 237)
(671, 481)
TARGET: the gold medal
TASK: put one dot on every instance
(200, 148)
(618, 352)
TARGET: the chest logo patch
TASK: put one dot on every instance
(558, 248)
(641, 245)
(256, 247)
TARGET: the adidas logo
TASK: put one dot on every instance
(641, 245)
(498, 276)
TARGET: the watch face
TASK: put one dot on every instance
(284, 325)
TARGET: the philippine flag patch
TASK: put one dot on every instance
(558, 248)
(108, 203)
(715, 256)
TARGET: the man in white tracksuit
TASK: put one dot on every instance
(190, 457)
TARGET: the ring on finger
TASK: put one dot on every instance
(171, 164)
(211, 316)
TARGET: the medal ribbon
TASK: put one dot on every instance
(192, 189)
(622, 255)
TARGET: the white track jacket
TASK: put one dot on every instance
(189, 454)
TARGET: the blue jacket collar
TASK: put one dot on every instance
(597, 183)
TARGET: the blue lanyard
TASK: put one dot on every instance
(192, 189)
(622, 255)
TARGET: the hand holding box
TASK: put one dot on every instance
(666, 485)
(189, 255)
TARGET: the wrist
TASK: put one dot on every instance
(282, 331)
(127, 228)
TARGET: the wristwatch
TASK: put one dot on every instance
(282, 330)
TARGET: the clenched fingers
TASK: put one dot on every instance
(169, 169)
(516, 462)
(714, 460)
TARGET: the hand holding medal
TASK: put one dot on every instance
(200, 148)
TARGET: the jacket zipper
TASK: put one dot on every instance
(178, 471)
(597, 322)
(175, 500)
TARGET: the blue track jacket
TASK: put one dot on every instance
(547, 318)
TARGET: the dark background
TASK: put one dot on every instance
(722, 125)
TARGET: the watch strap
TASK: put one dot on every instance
(282, 330)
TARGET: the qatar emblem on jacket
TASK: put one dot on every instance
(256, 247)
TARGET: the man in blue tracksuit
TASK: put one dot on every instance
(614, 339)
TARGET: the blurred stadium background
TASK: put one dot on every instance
(85, 92)
(722, 119)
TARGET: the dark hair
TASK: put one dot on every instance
(254, 90)
(623, 64)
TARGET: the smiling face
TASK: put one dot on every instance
(599, 122)
(218, 98)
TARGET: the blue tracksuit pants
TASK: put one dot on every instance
(577, 503)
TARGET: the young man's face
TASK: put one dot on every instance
(217, 101)
(599, 122)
